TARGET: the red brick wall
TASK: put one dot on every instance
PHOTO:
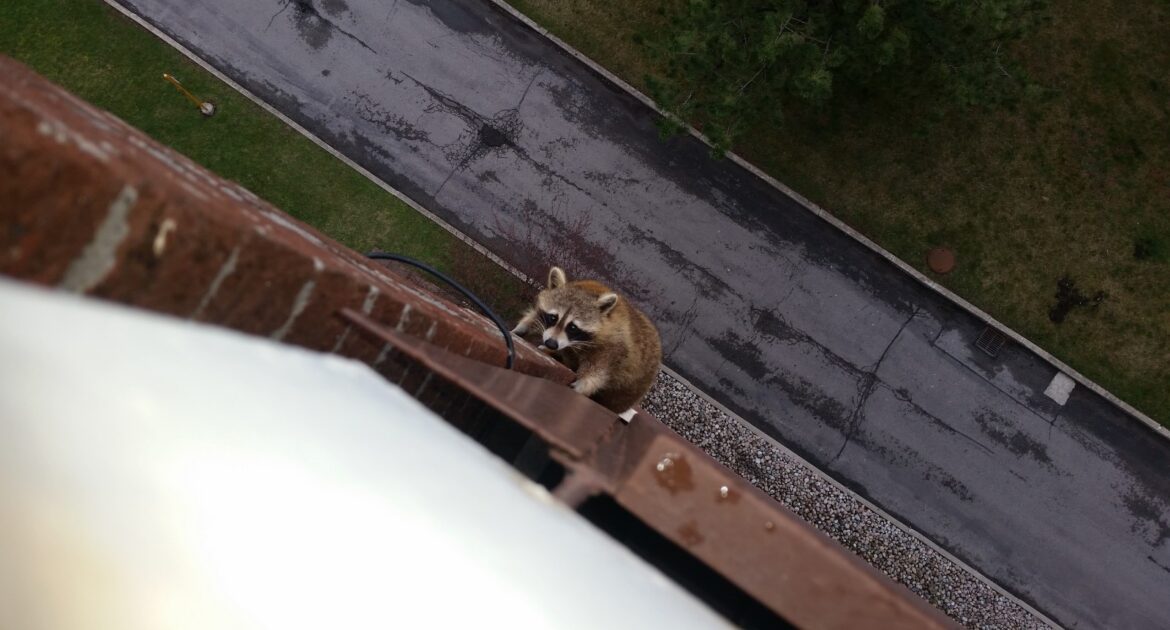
(91, 205)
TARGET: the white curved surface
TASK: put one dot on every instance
(161, 474)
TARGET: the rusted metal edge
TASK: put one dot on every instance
(560, 416)
(745, 535)
(689, 498)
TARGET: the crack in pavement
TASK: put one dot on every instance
(457, 108)
(866, 387)
(903, 395)
(941, 329)
(493, 133)
(452, 174)
(283, 5)
(530, 83)
(367, 109)
(685, 326)
(793, 286)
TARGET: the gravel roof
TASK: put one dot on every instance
(883, 543)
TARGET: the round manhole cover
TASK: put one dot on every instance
(941, 260)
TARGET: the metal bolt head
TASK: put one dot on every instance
(723, 491)
(666, 462)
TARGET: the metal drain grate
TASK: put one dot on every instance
(990, 341)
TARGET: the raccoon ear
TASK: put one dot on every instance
(556, 278)
(606, 303)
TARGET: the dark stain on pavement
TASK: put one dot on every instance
(387, 121)
(911, 461)
(728, 385)
(492, 137)
(572, 101)
(767, 322)
(709, 285)
(813, 399)
(956, 487)
(277, 97)
(1004, 433)
(1148, 517)
(315, 28)
(741, 352)
(775, 327)
(612, 181)
(455, 16)
(335, 7)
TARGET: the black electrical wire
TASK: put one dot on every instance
(489, 313)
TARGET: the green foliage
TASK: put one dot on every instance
(1151, 247)
(727, 62)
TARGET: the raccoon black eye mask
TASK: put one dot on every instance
(576, 334)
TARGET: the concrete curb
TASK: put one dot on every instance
(840, 225)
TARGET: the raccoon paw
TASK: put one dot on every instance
(587, 385)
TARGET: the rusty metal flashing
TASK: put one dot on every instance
(565, 420)
(687, 497)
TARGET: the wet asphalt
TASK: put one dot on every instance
(807, 334)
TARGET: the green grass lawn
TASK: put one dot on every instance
(106, 59)
(1075, 183)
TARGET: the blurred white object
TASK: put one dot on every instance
(160, 474)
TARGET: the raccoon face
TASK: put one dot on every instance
(566, 329)
(569, 315)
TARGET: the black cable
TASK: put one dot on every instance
(489, 313)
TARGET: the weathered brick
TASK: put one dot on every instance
(167, 258)
(318, 327)
(91, 204)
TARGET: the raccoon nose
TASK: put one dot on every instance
(550, 343)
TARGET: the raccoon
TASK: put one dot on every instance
(612, 346)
